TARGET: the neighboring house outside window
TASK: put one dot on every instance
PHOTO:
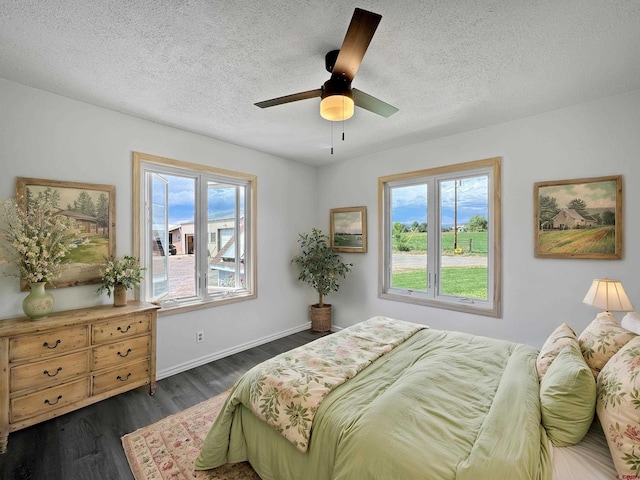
(440, 237)
(193, 205)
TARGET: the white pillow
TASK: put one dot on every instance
(631, 322)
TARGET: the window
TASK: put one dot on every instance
(189, 206)
(440, 237)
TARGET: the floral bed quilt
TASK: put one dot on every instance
(286, 391)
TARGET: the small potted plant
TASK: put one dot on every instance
(320, 267)
(120, 276)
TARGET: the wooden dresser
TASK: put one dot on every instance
(71, 359)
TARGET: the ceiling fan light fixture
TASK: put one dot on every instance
(337, 101)
(337, 107)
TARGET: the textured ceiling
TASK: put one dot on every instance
(448, 65)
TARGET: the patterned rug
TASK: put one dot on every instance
(168, 449)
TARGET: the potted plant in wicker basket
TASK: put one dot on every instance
(320, 267)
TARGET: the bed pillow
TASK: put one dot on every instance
(559, 338)
(567, 398)
(631, 322)
(618, 408)
(601, 340)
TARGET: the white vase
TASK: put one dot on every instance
(39, 302)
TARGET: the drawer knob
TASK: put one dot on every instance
(46, 344)
(126, 354)
(125, 330)
(53, 403)
(46, 372)
(125, 378)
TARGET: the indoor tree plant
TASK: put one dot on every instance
(320, 267)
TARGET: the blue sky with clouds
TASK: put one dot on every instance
(409, 203)
(182, 199)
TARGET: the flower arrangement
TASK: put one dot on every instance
(35, 241)
(126, 272)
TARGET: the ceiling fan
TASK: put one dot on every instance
(337, 96)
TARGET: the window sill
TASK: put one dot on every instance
(477, 308)
(184, 307)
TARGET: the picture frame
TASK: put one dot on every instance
(349, 229)
(97, 227)
(579, 218)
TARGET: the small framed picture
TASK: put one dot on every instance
(579, 218)
(349, 229)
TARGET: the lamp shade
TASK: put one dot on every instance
(337, 107)
(608, 295)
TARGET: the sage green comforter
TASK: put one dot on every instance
(442, 405)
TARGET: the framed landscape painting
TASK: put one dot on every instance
(92, 208)
(579, 218)
(349, 229)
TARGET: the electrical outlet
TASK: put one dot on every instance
(200, 336)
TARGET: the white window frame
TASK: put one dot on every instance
(492, 306)
(146, 164)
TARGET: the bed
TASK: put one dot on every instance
(428, 404)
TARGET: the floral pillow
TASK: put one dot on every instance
(618, 408)
(601, 340)
(561, 337)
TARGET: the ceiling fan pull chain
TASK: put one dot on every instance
(331, 137)
(343, 119)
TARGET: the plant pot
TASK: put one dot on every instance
(320, 317)
(119, 295)
(39, 303)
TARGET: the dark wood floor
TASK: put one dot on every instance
(86, 445)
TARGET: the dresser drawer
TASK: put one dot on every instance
(121, 352)
(48, 343)
(120, 328)
(49, 371)
(48, 400)
(121, 376)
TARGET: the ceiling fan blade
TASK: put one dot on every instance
(366, 101)
(290, 98)
(361, 29)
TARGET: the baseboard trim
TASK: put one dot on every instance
(167, 372)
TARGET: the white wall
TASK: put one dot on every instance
(588, 140)
(51, 137)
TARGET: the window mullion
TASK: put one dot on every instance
(200, 232)
(433, 237)
(247, 235)
(239, 240)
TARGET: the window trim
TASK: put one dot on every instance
(493, 306)
(251, 210)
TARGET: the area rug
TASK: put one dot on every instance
(168, 449)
